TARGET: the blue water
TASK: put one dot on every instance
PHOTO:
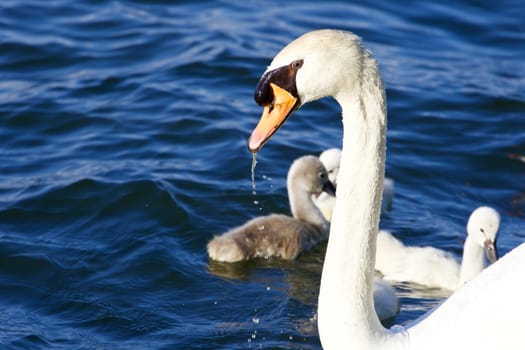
(124, 128)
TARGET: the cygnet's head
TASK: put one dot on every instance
(308, 174)
(331, 159)
(483, 226)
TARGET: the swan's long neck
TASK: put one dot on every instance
(346, 309)
(472, 262)
(303, 207)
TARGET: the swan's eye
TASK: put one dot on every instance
(297, 64)
(482, 230)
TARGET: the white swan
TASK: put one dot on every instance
(331, 158)
(281, 235)
(433, 267)
(485, 313)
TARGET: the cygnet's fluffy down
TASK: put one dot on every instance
(386, 302)
(432, 267)
(331, 159)
(278, 235)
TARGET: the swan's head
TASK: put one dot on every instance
(318, 64)
(308, 174)
(483, 226)
(331, 159)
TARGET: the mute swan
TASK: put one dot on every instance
(433, 267)
(330, 159)
(485, 313)
(281, 235)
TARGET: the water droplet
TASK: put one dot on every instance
(255, 320)
(254, 163)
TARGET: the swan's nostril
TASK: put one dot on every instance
(272, 105)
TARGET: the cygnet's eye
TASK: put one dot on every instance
(322, 175)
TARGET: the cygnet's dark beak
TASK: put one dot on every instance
(329, 188)
(491, 251)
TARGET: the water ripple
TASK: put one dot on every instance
(124, 127)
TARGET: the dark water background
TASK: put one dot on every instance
(123, 128)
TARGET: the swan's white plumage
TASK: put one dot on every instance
(486, 313)
(331, 159)
(435, 268)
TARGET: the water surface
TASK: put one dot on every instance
(124, 127)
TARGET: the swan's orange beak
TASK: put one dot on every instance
(273, 116)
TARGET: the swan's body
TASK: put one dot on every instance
(432, 267)
(331, 159)
(278, 235)
(486, 313)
